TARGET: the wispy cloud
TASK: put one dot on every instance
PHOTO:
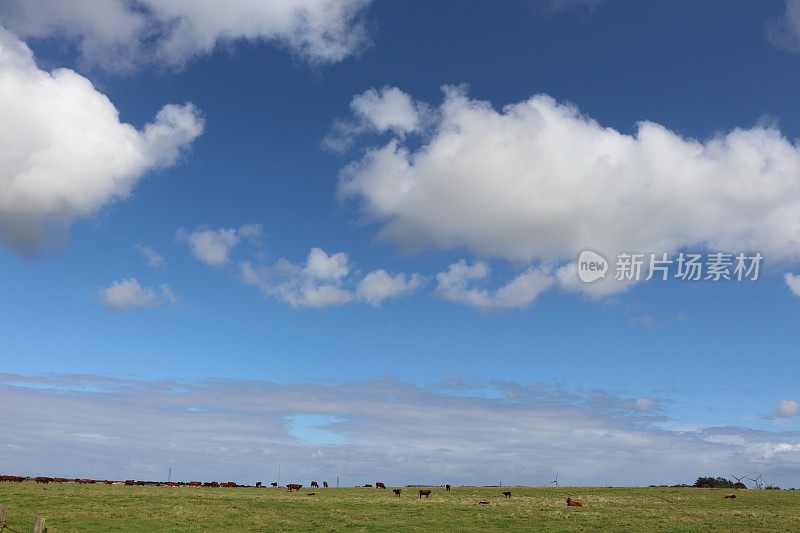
(128, 293)
(381, 429)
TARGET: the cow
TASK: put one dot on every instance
(380, 485)
(397, 492)
(325, 484)
(574, 503)
(729, 496)
(42, 479)
(447, 487)
(507, 494)
(294, 486)
(12, 479)
(140, 483)
(108, 482)
(258, 484)
(368, 485)
(274, 484)
(129, 482)
(314, 484)
(60, 480)
(195, 484)
(214, 484)
(230, 484)
(424, 492)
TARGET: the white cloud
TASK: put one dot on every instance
(65, 152)
(644, 404)
(523, 434)
(318, 283)
(119, 35)
(787, 408)
(153, 258)
(784, 32)
(325, 280)
(213, 246)
(379, 285)
(793, 281)
(125, 294)
(457, 284)
(378, 111)
(538, 181)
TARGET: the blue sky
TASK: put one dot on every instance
(284, 149)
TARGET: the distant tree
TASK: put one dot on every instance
(708, 482)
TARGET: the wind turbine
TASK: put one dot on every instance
(739, 479)
(555, 481)
(757, 480)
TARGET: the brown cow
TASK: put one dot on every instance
(397, 492)
(129, 482)
(195, 484)
(325, 484)
(447, 487)
(13, 479)
(108, 482)
(574, 503)
(314, 484)
(729, 496)
(507, 494)
(294, 486)
(424, 492)
(60, 480)
(379, 485)
(42, 479)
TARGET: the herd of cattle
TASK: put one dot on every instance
(229, 484)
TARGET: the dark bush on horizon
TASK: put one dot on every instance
(717, 483)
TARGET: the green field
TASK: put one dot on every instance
(72, 507)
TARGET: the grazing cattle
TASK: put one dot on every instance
(60, 480)
(325, 484)
(171, 484)
(215, 484)
(108, 482)
(12, 479)
(195, 484)
(258, 484)
(230, 484)
(368, 485)
(397, 492)
(574, 503)
(379, 485)
(507, 494)
(447, 487)
(314, 484)
(294, 486)
(274, 484)
(730, 496)
(424, 492)
(129, 482)
(42, 479)
(140, 483)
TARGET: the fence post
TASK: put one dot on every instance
(41, 527)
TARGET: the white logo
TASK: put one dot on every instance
(591, 266)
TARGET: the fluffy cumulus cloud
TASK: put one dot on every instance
(454, 433)
(119, 34)
(457, 284)
(378, 111)
(325, 280)
(65, 152)
(538, 182)
(213, 246)
(784, 32)
(787, 408)
(128, 293)
(793, 281)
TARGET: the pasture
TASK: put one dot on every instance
(73, 507)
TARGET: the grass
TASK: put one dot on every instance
(72, 507)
